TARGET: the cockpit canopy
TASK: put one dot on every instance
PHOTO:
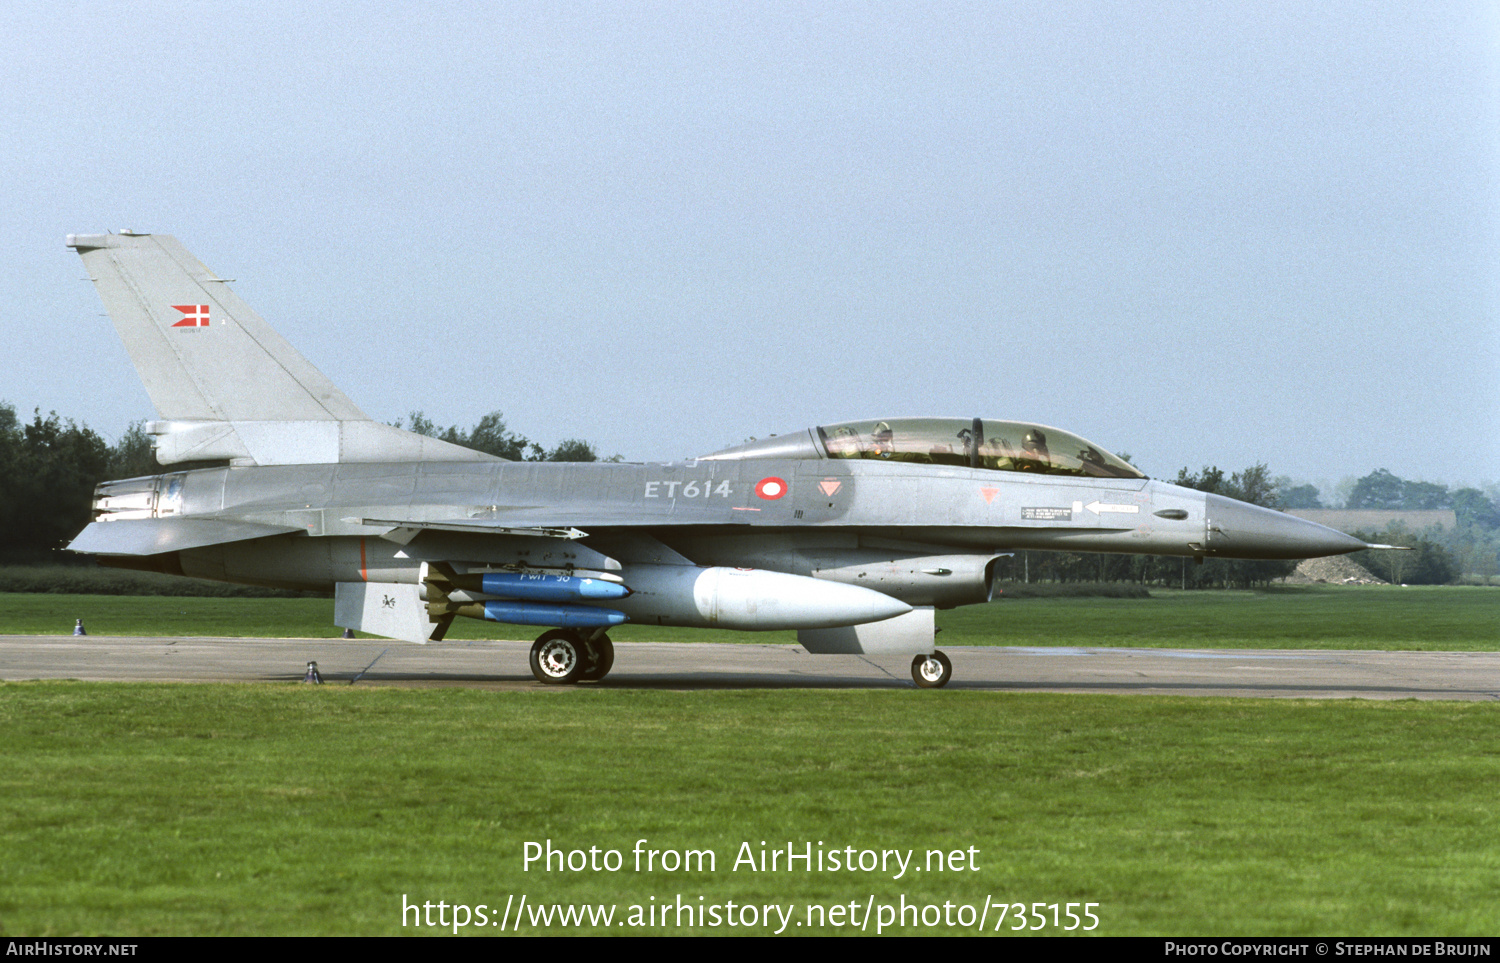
(961, 442)
(975, 443)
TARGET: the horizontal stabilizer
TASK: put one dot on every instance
(909, 634)
(153, 536)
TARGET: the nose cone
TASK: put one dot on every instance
(1240, 530)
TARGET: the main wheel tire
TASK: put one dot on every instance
(601, 658)
(931, 671)
(557, 657)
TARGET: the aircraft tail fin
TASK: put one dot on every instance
(226, 385)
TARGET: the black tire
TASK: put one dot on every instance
(557, 657)
(601, 658)
(931, 671)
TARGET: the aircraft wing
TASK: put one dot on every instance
(548, 522)
(612, 539)
(153, 536)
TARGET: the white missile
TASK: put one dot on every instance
(747, 599)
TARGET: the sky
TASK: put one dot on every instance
(1202, 234)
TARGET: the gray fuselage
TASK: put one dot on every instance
(823, 517)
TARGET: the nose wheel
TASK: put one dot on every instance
(931, 671)
(563, 657)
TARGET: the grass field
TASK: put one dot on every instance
(1299, 617)
(141, 809)
(155, 809)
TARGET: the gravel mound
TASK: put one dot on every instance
(1338, 570)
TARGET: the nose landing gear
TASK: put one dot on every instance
(931, 671)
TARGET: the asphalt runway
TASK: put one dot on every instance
(1237, 673)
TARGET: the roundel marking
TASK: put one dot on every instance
(771, 488)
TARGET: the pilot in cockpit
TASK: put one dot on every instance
(845, 443)
(1034, 454)
(966, 435)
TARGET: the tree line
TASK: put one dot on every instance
(492, 436)
(1383, 490)
(1471, 547)
(48, 469)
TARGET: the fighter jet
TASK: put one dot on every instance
(851, 533)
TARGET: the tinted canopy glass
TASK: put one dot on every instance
(974, 443)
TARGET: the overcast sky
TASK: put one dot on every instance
(1198, 233)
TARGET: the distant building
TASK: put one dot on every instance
(1378, 519)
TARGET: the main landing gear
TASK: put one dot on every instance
(566, 656)
(930, 671)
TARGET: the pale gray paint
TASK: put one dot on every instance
(773, 534)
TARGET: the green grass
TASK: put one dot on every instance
(1419, 618)
(227, 809)
(1301, 617)
(91, 579)
(49, 614)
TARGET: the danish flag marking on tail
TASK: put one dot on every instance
(194, 315)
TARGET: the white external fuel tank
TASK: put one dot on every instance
(747, 599)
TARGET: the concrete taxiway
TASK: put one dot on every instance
(1473, 676)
